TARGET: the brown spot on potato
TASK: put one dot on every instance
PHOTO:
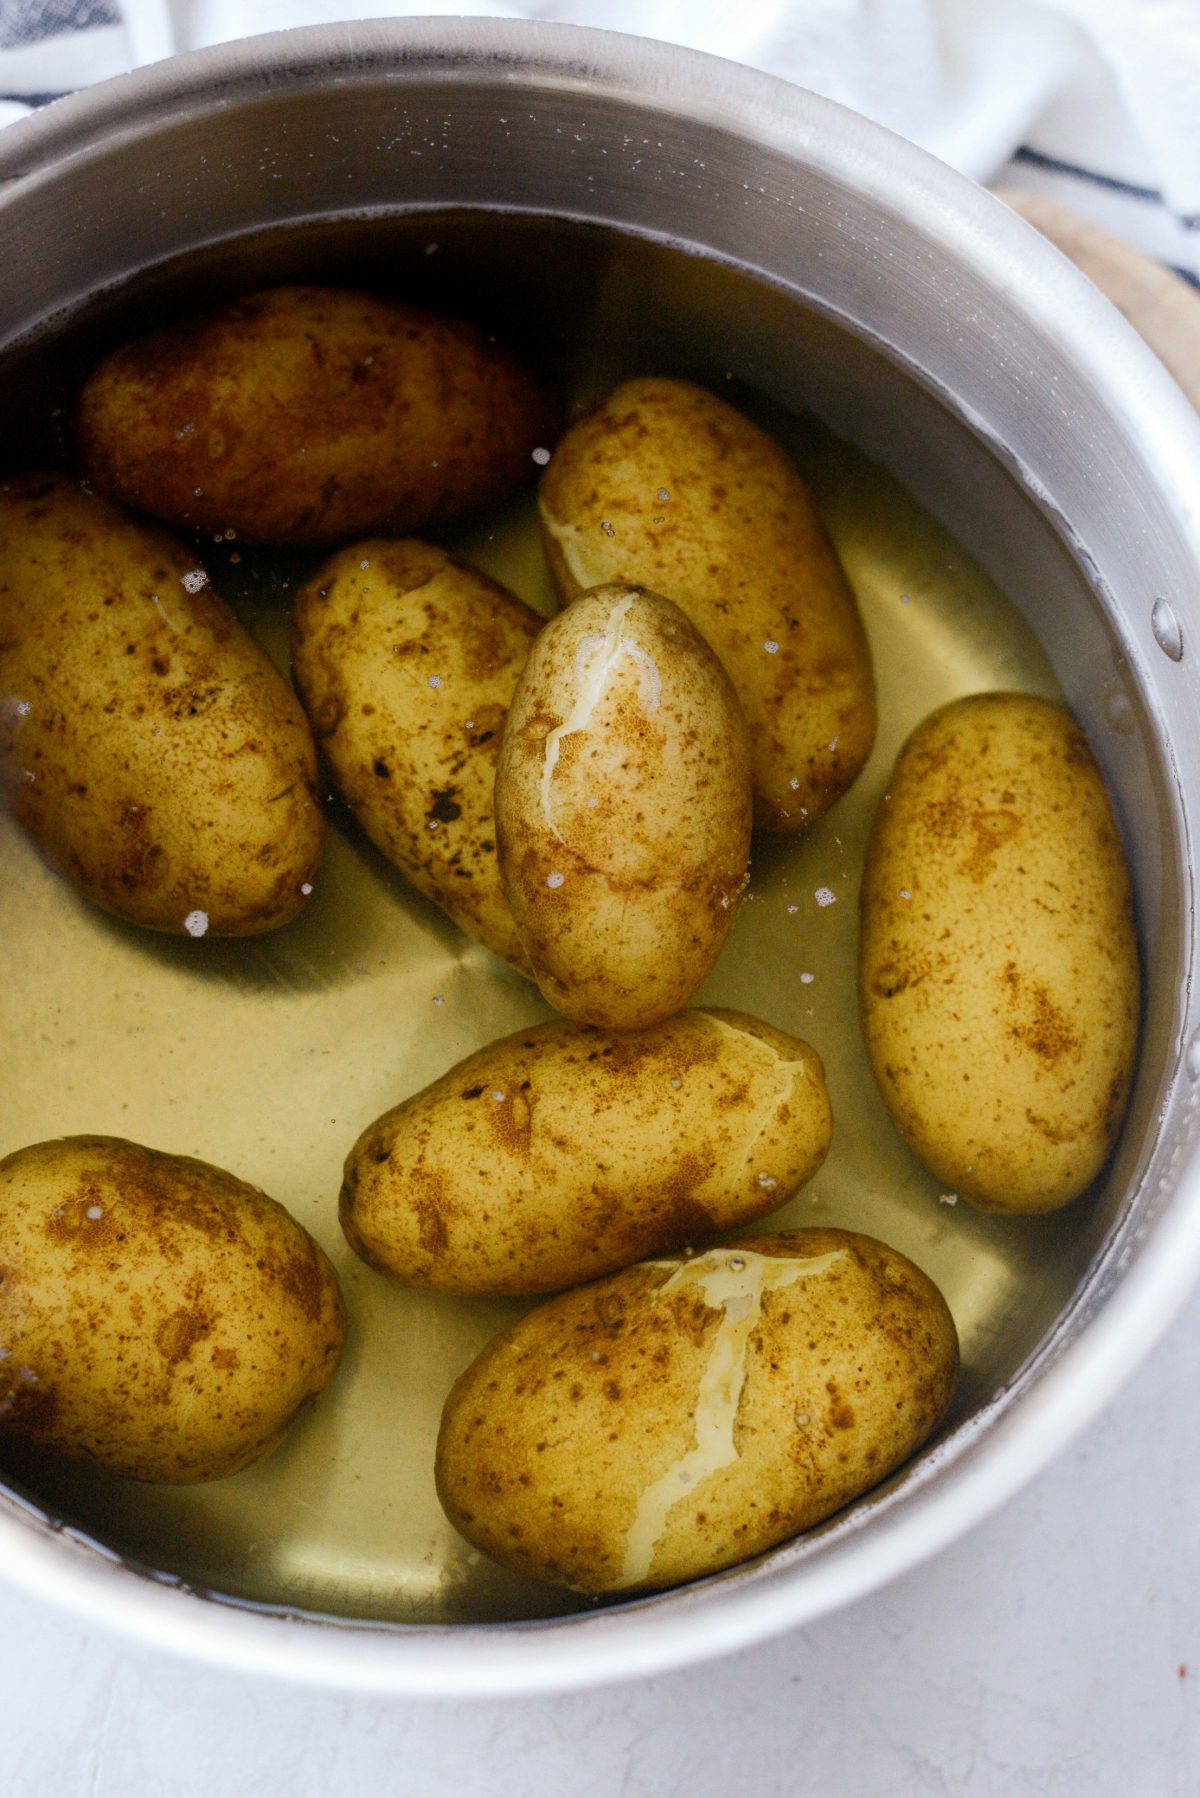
(1053, 1133)
(444, 807)
(892, 978)
(431, 1225)
(1114, 1103)
(81, 1219)
(994, 831)
(841, 1414)
(178, 1334)
(511, 1121)
(302, 1277)
(1044, 1029)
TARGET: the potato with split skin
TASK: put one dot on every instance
(687, 1414)
(563, 1152)
(305, 416)
(147, 744)
(670, 487)
(998, 973)
(623, 808)
(159, 1319)
(406, 660)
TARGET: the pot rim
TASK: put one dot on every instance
(990, 1458)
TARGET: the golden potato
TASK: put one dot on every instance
(158, 1318)
(563, 1152)
(147, 743)
(309, 415)
(667, 486)
(406, 661)
(622, 808)
(998, 974)
(673, 1419)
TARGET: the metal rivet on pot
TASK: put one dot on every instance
(1166, 628)
(1192, 1058)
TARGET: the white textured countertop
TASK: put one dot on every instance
(1054, 1652)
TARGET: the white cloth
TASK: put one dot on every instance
(1098, 101)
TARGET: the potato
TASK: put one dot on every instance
(158, 1318)
(147, 744)
(999, 967)
(622, 808)
(670, 487)
(406, 661)
(687, 1414)
(564, 1152)
(309, 415)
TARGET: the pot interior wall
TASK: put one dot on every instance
(269, 1056)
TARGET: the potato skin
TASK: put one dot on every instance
(406, 661)
(160, 1319)
(563, 1152)
(998, 973)
(622, 808)
(781, 1388)
(668, 486)
(147, 743)
(308, 415)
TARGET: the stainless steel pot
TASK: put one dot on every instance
(916, 316)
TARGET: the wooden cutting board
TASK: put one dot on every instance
(1164, 308)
